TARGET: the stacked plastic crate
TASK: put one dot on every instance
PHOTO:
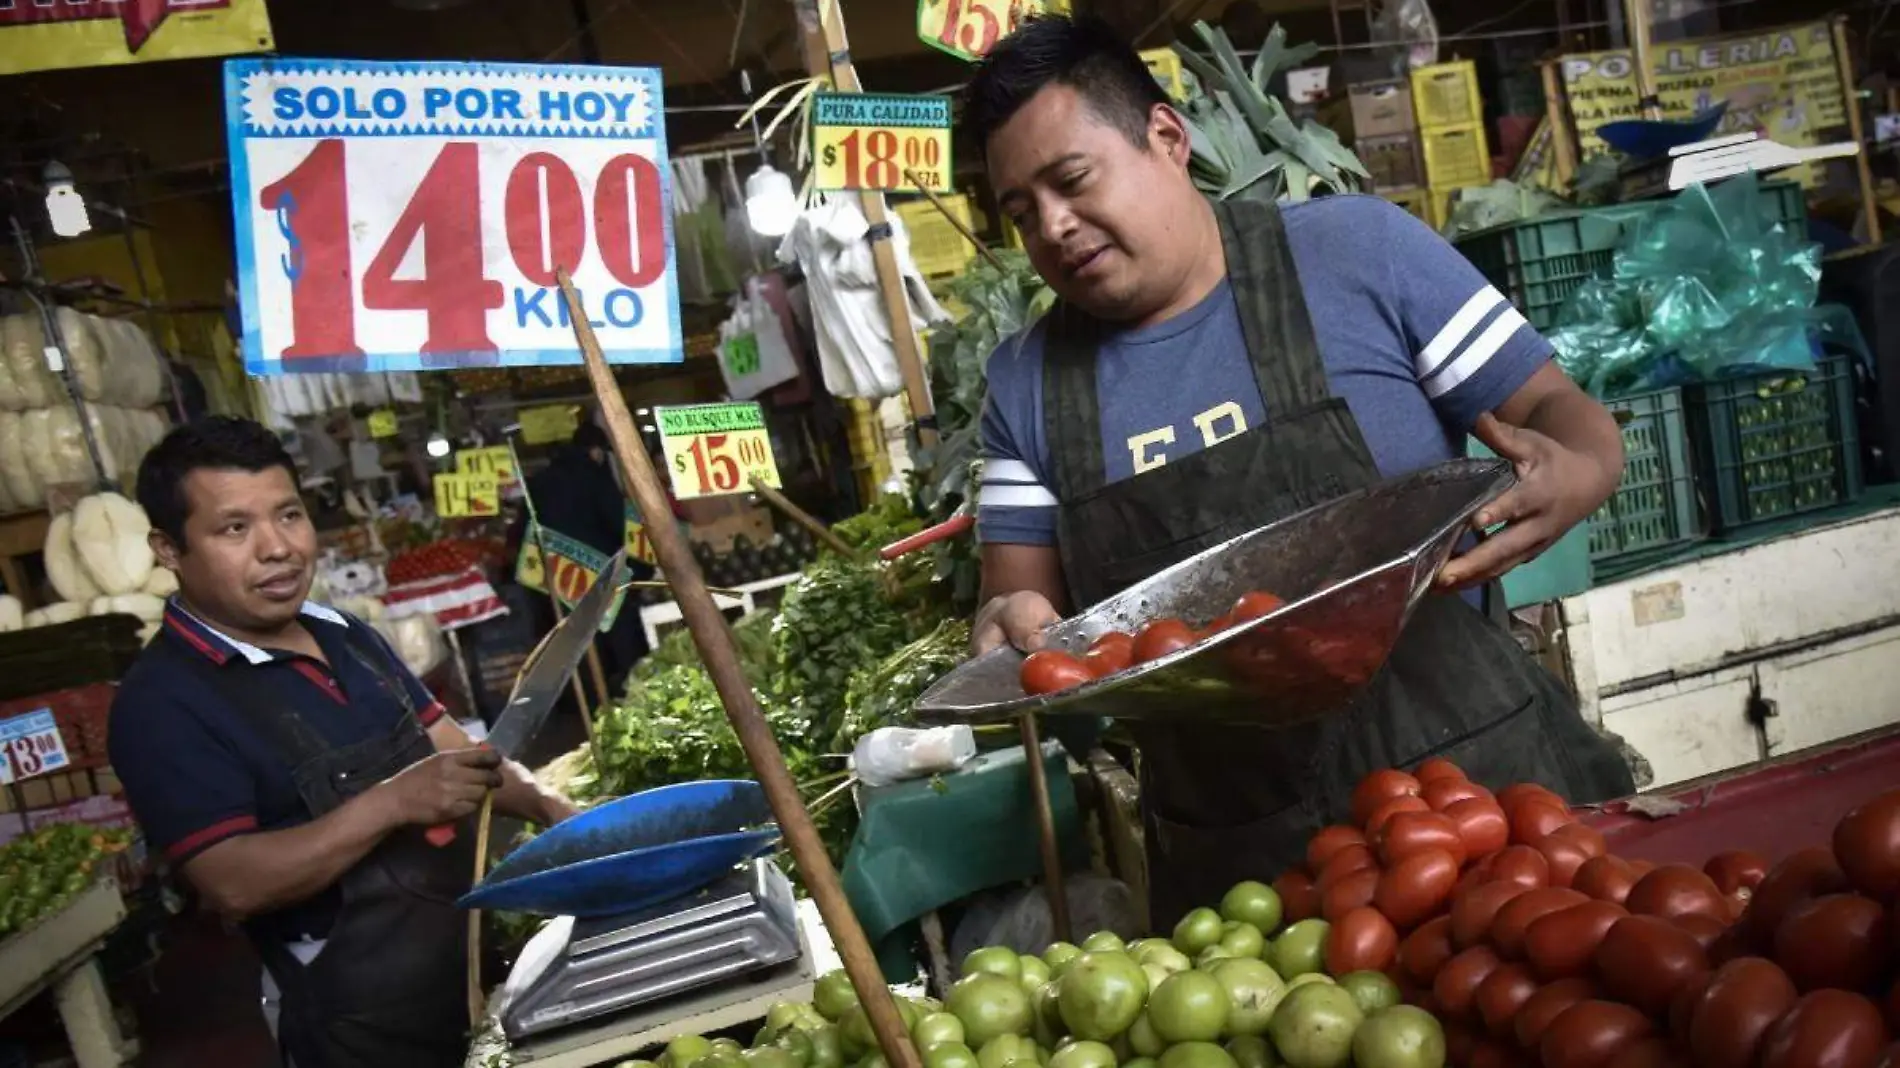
(1451, 136)
(1385, 138)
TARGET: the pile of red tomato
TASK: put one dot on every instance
(1053, 670)
(1514, 924)
(449, 556)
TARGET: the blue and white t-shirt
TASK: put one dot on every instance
(1413, 338)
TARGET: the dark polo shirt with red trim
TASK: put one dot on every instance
(197, 772)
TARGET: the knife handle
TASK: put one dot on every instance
(440, 835)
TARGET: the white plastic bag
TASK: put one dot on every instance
(894, 754)
(753, 353)
(26, 360)
(22, 485)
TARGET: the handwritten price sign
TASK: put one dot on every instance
(968, 29)
(467, 496)
(549, 424)
(30, 745)
(553, 562)
(864, 141)
(410, 216)
(495, 461)
(714, 449)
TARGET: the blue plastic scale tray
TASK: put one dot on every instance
(634, 852)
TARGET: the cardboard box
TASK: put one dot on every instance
(1393, 161)
(1381, 109)
(719, 521)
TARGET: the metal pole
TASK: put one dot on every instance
(719, 653)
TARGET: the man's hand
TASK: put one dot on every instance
(1557, 488)
(1016, 618)
(442, 788)
(521, 795)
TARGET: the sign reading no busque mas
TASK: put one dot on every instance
(410, 216)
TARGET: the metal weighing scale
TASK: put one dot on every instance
(667, 915)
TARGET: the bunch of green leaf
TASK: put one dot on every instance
(890, 518)
(882, 695)
(752, 633)
(1243, 142)
(834, 620)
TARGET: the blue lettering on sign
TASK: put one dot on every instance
(586, 106)
(508, 104)
(555, 106)
(533, 302)
(322, 102)
(626, 298)
(434, 99)
(326, 102)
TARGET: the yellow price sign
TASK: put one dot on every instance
(872, 141)
(382, 423)
(715, 449)
(495, 460)
(549, 423)
(530, 570)
(968, 29)
(639, 544)
(466, 496)
(1165, 65)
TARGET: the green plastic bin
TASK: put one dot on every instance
(1654, 507)
(1775, 445)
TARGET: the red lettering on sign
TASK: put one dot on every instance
(140, 17)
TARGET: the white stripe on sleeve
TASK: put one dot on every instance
(1477, 354)
(1011, 471)
(1003, 495)
(1455, 332)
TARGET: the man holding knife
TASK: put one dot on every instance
(281, 756)
(1213, 367)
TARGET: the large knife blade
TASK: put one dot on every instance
(553, 662)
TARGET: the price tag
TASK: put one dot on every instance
(411, 216)
(495, 460)
(714, 449)
(550, 560)
(467, 496)
(866, 141)
(382, 423)
(549, 423)
(968, 29)
(30, 745)
(639, 545)
(1165, 65)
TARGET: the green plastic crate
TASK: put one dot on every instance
(1539, 262)
(1776, 445)
(1654, 507)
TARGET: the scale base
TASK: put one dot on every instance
(721, 935)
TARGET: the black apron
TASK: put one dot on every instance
(1226, 803)
(389, 988)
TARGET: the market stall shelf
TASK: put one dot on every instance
(58, 953)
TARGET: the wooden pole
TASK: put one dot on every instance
(1046, 830)
(477, 1003)
(1562, 138)
(718, 652)
(1636, 12)
(944, 210)
(803, 518)
(1850, 95)
(826, 52)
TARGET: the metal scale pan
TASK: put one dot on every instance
(1351, 571)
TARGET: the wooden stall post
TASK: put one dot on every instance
(1046, 830)
(1850, 95)
(1562, 142)
(714, 641)
(1636, 13)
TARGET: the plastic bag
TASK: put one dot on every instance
(26, 360)
(754, 355)
(894, 754)
(23, 487)
(1019, 918)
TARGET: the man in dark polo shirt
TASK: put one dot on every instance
(281, 757)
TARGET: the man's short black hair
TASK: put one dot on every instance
(591, 436)
(217, 442)
(1082, 53)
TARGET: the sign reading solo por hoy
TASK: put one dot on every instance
(410, 216)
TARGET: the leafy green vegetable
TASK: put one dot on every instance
(881, 695)
(833, 621)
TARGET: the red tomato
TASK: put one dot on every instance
(1676, 890)
(1606, 878)
(1157, 638)
(1435, 769)
(1346, 860)
(1409, 833)
(1533, 818)
(1589, 1033)
(1705, 931)
(1744, 999)
(1112, 652)
(1361, 940)
(1516, 792)
(1490, 1053)
(1328, 842)
(1737, 869)
(1502, 993)
(1522, 865)
(1564, 856)
(1425, 950)
(1378, 788)
(1053, 671)
(1841, 940)
(1826, 1029)
(1800, 876)
(1548, 1003)
(1457, 982)
(1254, 605)
(1351, 891)
(1384, 813)
(1299, 898)
(1473, 911)
(1442, 793)
(1563, 944)
(1514, 919)
(1867, 843)
(1416, 889)
(1652, 1052)
(1646, 961)
(1682, 1007)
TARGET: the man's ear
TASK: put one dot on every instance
(1168, 132)
(164, 548)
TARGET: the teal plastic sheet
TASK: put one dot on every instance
(1711, 284)
(926, 843)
